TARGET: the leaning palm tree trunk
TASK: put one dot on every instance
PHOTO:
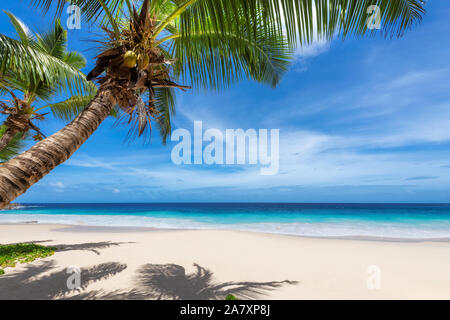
(20, 173)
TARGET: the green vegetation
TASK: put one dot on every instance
(14, 147)
(231, 297)
(22, 253)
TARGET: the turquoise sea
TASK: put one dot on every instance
(322, 220)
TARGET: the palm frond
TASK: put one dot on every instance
(18, 58)
(75, 60)
(165, 101)
(68, 109)
(3, 87)
(21, 83)
(24, 33)
(212, 60)
(14, 148)
(92, 10)
(303, 19)
(344, 17)
(53, 42)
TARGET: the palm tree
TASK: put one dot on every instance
(14, 147)
(22, 111)
(210, 43)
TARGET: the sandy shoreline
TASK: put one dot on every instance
(113, 229)
(132, 263)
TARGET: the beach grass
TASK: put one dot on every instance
(12, 254)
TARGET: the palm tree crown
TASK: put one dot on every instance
(150, 50)
(214, 43)
(22, 111)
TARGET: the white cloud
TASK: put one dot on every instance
(317, 47)
(307, 52)
(58, 185)
(89, 162)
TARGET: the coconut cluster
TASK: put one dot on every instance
(132, 60)
(133, 64)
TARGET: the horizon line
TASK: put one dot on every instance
(230, 202)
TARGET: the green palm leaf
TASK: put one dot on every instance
(165, 101)
(18, 58)
(68, 109)
(212, 60)
(21, 83)
(342, 17)
(13, 148)
(24, 33)
(53, 42)
(75, 60)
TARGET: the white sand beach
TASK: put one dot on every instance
(167, 264)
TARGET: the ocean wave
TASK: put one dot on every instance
(21, 207)
(423, 230)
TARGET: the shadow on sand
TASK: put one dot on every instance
(170, 282)
(41, 281)
(166, 282)
(93, 247)
(45, 280)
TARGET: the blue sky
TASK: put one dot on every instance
(360, 121)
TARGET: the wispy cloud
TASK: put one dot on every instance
(90, 162)
(309, 51)
(421, 178)
(58, 185)
(317, 47)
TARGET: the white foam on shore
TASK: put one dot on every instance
(314, 229)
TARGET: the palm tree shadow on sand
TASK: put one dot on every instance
(45, 280)
(171, 282)
(93, 247)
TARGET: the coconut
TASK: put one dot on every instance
(129, 59)
(143, 60)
